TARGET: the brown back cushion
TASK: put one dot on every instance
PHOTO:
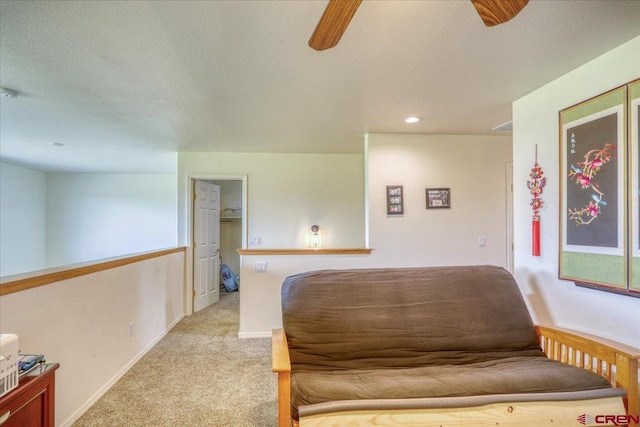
(405, 317)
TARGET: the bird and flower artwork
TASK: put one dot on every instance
(584, 174)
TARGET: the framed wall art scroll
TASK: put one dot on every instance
(634, 187)
(599, 178)
(592, 159)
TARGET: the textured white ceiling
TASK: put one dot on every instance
(125, 84)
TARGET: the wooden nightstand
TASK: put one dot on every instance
(32, 403)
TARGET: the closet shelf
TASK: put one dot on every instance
(230, 218)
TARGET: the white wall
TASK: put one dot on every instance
(92, 216)
(287, 194)
(22, 219)
(83, 324)
(260, 308)
(535, 121)
(473, 167)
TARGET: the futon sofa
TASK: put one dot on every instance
(441, 346)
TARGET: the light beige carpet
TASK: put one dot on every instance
(199, 374)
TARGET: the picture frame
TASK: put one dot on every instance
(438, 198)
(634, 184)
(593, 200)
(395, 200)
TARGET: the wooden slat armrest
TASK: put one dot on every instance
(589, 342)
(571, 347)
(282, 365)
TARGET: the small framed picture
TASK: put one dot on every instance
(395, 200)
(438, 198)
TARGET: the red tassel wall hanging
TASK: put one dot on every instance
(536, 184)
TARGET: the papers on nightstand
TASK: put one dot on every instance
(28, 362)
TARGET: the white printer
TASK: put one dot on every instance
(8, 363)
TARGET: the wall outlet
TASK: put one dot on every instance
(482, 241)
(131, 329)
(255, 240)
(261, 266)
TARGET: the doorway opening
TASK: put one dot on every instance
(231, 224)
(230, 233)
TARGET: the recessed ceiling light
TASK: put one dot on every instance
(8, 93)
(57, 144)
(412, 119)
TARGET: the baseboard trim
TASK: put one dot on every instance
(243, 335)
(77, 414)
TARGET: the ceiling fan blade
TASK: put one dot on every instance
(334, 22)
(495, 12)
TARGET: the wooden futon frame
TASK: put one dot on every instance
(451, 346)
(618, 363)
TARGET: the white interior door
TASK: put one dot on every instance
(206, 240)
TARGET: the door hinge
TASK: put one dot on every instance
(194, 293)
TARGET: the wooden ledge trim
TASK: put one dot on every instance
(21, 282)
(347, 251)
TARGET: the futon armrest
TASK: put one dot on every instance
(280, 351)
(281, 364)
(617, 362)
(584, 342)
